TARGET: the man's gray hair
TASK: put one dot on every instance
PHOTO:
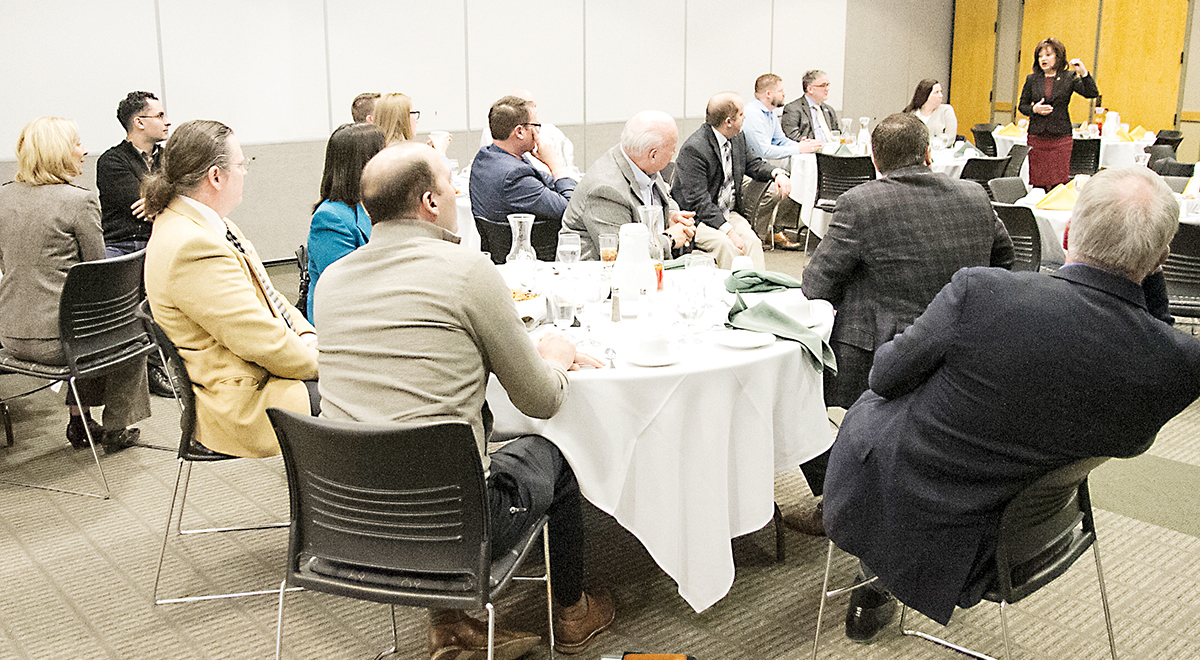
(809, 78)
(1124, 221)
(645, 131)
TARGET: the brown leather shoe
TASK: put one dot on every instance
(783, 243)
(576, 626)
(455, 636)
(811, 522)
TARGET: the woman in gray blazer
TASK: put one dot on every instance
(47, 225)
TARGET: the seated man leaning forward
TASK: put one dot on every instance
(503, 182)
(708, 181)
(412, 326)
(1006, 377)
(626, 177)
(245, 347)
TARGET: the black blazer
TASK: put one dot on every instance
(1004, 378)
(1058, 122)
(797, 120)
(119, 174)
(699, 174)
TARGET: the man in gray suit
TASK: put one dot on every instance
(626, 177)
(892, 245)
(810, 116)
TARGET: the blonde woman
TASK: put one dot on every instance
(47, 225)
(395, 116)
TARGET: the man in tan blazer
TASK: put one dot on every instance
(246, 348)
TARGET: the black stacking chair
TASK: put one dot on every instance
(1172, 167)
(1170, 138)
(495, 238)
(100, 329)
(190, 452)
(1007, 189)
(1177, 183)
(1023, 230)
(1085, 156)
(982, 170)
(1016, 159)
(1043, 531)
(302, 296)
(983, 138)
(836, 175)
(1159, 152)
(411, 532)
(1182, 272)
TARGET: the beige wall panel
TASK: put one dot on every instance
(1142, 42)
(973, 62)
(1007, 86)
(1072, 22)
(1189, 149)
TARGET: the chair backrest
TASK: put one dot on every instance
(1170, 138)
(1085, 156)
(1016, 159)
(837, 174)
(1007, 189)
(386, 509)
(1172, 167)
(1177, 183)
(302, 296)
(982, 170)
(1158, 152)
(177, 372)
(495, 238)
(983, 138)
(98, 318)
(1182, 272)
(1044, 529)
(1023, 230)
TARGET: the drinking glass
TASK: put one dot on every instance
(568, 248)
(562, 310)
(608, 248)
(690, 305)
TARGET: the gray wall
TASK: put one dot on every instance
(283, 72)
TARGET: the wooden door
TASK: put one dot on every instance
(1141, 53)
(974, 61)
(1072, 22)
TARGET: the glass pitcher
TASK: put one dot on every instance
(522, 238)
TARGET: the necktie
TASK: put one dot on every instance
(273, 298)
(725, 198)
(828, 135)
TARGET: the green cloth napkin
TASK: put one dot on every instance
(962, 151)
(759, 281)
(673, 264)
(765, 318)
(843, 150)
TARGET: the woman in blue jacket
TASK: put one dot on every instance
(339, 223)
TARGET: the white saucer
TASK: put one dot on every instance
(745, 339)
(670, 358)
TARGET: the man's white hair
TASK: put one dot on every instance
(646, 130)
(1124, 221)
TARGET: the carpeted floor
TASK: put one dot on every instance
(77, 573)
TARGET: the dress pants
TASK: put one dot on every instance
(530, 478)
(717, 243)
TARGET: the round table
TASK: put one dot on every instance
(684, 456)
(1114, 152)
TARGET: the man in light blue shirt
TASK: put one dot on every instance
(765, 139)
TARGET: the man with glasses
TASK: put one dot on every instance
(810, 116)
(503, 181)
(119, 174)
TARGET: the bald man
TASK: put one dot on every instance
(626, 177)
(412, 326)
(708, 181)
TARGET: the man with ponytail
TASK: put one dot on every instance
(245, 347)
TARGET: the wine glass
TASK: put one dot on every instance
(568, 248)
(608, 248)
(690, 305)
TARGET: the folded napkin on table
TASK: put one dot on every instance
(968, 150)
(759, 281)
(1009, 130)
(764, 317)
(674, 264)
(1062, 198)
(843, 150)
(1137, 133)
(1123, 135)
(1192, 189)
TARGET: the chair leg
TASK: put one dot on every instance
(491, 612)
(8, 432)
(780, 545)
(1004, 629)
(162, 553)
(824, 594)
(1112, 642)
(549, 591)
(279, 620)
(395, 637)
(950, 645)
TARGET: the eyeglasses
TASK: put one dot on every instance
(530, 124)
(415, 114)
(162, 116)
(245, 164)
(824, 84)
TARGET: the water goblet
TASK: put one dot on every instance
(568, 248)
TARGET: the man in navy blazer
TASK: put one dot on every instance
(503, 182)
(1006, 377)
(708, 181)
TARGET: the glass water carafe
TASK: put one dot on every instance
(522, 238)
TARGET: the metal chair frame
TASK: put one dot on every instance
(100, 329)
(187, 455)
(414, 534)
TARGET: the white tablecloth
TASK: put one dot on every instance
(466, 221)
(804, 188)
(1114, 152)
(684, 456)
(1053, 226)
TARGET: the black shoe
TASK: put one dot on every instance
(160, 384)
(870, 610)
(78, 437)
(811, 522)
(115, 441)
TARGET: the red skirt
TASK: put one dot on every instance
(1049, 161)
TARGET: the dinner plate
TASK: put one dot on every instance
(671, 357)
(745, 339)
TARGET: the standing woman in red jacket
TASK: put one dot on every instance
(1044, 99)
